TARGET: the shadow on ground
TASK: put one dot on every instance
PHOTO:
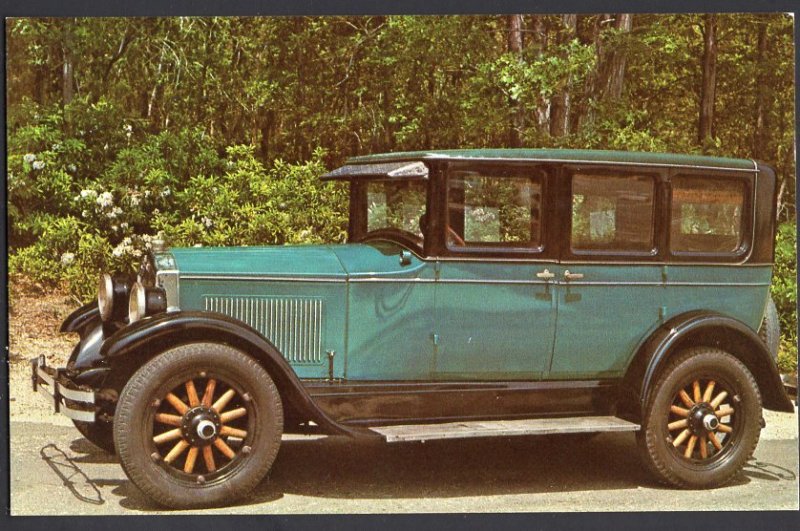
(338, 468)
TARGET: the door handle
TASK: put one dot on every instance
(546, 275)
(572, 276)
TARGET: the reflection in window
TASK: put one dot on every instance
(395, 205)
(706, 215)
(491, 210)
(611, 213)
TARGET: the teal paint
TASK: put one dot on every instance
(453, 320)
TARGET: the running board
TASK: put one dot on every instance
(502, 428)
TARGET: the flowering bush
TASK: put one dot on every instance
(83, 203)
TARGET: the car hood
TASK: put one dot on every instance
(334, 261)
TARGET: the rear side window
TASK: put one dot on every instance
(706, 215)
(612, 213)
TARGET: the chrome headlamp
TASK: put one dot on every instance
(111, 295)
(145, 301)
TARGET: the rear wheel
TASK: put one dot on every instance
(703, 420)
(770, 331)
(199, 425)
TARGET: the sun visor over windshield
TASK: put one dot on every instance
(385, 170)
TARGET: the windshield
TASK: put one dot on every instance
(392, 207)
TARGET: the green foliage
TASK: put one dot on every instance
(212, 130)
(784, 293)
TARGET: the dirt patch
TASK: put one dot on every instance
(34, 317)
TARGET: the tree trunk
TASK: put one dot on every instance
(705, 130)
(560, 107)
(539, 40)
(517, 122)
(67, 73)
(617, 60)
(760, 134)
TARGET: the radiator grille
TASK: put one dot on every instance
(293, 325)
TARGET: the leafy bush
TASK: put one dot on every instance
(784, 293)
(81, 203)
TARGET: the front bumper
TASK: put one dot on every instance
(67, 397)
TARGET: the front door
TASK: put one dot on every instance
(495, 300)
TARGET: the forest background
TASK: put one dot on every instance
(214, 131)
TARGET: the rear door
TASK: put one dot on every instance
(611, 287)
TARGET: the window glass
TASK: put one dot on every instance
(486, 210)
(706, 215)
(395, 205)
(612, 213)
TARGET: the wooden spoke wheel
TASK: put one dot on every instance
(703, 419)
(201, 427)
(198, 425)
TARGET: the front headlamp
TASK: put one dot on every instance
(111, 295)
(145, 301)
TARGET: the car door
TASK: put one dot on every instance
(610, 277)
(495, 304)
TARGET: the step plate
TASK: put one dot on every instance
(502, 428)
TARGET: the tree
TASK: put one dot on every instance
(705, 129)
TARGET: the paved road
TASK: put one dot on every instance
(55, 471)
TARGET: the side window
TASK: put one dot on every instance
(493, 210)
(706, 215)
(612, 213)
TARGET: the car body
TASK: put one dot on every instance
(482, 292)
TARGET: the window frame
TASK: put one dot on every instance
(504, 169)
(748, 219)
(655, 254)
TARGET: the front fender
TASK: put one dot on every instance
(130, 347)
(694, 329)
(81, 318)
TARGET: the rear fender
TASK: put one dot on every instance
(699, 328)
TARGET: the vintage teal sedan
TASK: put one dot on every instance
(482, 293)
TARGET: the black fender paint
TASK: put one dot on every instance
(705, 328)
(81, 318)
(133, 345)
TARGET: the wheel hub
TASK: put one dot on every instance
(702, 419)
(200, 426)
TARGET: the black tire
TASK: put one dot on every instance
(147, 398)
(100, 434)
(770, 331)
(668, 462)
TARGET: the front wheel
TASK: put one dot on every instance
(199, 425)
(703, 421)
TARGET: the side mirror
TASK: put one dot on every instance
(405, 257)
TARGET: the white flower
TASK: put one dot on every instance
(118, 251)
(114, 227)
(56, 146)
(124, 225)
(116, 211)
(67, 258)
(72, 168)
(165, 192)
(134, 199)
(105, 200)
(29, 157)
(207, 221)
(147, 193)
(38, 164)
(127, 127)
(84, 213)
(88, 193)
(137, 253)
